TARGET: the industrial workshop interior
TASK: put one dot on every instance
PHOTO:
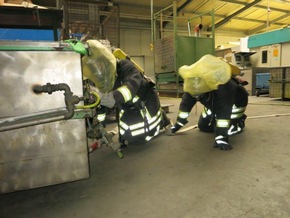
(59, 157)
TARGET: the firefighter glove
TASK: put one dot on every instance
(222, 143)
(107, 99)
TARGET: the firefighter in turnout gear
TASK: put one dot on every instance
(123, 86)
(212, 82)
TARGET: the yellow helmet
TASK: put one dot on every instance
(99, 66)
(235, 70)
(205, 75)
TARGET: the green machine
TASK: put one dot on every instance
(174, 47)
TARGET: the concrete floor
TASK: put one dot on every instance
(179, 176)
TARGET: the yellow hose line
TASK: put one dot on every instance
(98, 99)
(267, 116)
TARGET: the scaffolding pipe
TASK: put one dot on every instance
(200, 15)
(152, 25)
(188, 28)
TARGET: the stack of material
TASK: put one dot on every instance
(19, 3)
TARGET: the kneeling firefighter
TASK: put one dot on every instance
(122, 85)
(212, 82)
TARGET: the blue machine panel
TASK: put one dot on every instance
(262, 80)
(26, 34)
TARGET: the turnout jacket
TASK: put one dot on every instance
(139, 110)
(224, 105)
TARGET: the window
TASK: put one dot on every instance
(264, 57)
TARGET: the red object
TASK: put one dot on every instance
(93, 146)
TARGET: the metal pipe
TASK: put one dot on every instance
(44, 116)
(164, 9)
(188, 28)
(161, 25)
(200, 15)
(32, 119)
(152, 23)
(70, 99)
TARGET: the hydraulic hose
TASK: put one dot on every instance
(98, 99)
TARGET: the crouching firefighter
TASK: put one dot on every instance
(122, 85)
(212, 82)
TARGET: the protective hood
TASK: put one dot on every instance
(205, 75)
(99, 66)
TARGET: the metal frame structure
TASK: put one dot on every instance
(174, 47)
(92, 19)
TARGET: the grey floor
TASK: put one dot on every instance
(179, 176)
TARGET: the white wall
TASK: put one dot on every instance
(136, 43)
(223, 38)
(285, 54)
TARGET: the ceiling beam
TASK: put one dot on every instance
(265, 24)
(256, 6)
(228, 18)
(178, 10)
(183, 6)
